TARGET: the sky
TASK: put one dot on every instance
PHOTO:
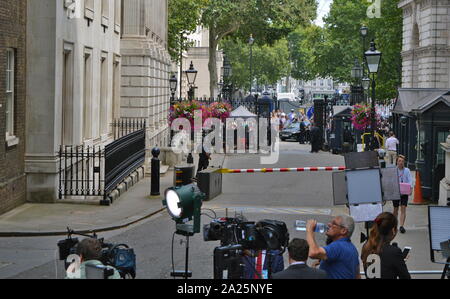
(322, 10)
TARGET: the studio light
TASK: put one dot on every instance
(183, 204)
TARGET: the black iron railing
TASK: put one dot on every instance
(95, 171)
(124, 126)
(122, 157)
(81, 171)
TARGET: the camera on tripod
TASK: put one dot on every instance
(119, 256)
(238, 237)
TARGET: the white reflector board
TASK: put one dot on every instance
(439, 225)
(363, 186)
(366, 212)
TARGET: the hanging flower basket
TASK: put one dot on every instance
(362, 118)
(187, 109)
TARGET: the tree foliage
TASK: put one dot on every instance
(331, 51)
(270, 62)
(267, 20)
(184, 16)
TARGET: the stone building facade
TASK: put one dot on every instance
(421, 116)
(426, 43)
(73, 83)
(198, 54)
(146, 66)
(13, 17)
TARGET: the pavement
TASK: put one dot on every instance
(135, 205)
(258, 196)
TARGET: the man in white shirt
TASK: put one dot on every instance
(391, 148)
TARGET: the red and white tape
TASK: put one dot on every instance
(272, 170)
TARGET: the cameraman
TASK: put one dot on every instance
(256, 263)
(90, 252)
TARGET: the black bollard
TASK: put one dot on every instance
(155, 178)
(190, 159)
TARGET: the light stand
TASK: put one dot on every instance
(184, 204)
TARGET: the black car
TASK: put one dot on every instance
(292, 131)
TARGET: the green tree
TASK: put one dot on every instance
(267, 20)
(331, 51)
(270, 62)
(184, 16)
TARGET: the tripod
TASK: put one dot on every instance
(446, 272)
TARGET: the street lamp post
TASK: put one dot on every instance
(173, 82)
(250, 42)
(364, 31)
(226, 78)
(356, 74)
(191, 75)
(373, 59)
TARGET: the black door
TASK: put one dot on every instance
(438, 172)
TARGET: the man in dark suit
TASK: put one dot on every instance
(298, 250)
(258, 264)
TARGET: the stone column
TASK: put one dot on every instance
(444, 193)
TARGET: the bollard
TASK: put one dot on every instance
(190, 159)
(155, 178)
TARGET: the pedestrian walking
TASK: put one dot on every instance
(391, 148)
(383, 231)
(406, 185)
(340, 258)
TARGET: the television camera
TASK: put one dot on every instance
(239, 238)
(119, 256)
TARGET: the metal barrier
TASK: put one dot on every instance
(122, 157)
(273, 170)
(95, 171)
(81, 171)
(424, 272)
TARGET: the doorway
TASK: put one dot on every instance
(438, 170)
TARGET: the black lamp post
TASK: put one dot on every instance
(173, 82)
(364, 31)
(250, 42)
(356, 74)
(366, 85)
(191, 75)
(227, 71)
(373, 59)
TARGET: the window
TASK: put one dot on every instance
(117, 15)
(114, 112)
(105, 13)
(67, 96)
(10, 91)
(103, 109)
(87, 103)
(89, 9)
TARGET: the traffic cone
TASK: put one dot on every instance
(418, 198)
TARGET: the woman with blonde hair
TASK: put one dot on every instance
(405, 178)
(383, 231)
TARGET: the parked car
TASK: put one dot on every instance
(292, 131)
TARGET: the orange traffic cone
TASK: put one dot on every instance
(418, 198)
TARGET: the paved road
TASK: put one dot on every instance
(284, 196)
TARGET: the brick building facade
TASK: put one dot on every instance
(13, 16)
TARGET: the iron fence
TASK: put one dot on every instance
(81, 171)
(95, 171)
(124, 126)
